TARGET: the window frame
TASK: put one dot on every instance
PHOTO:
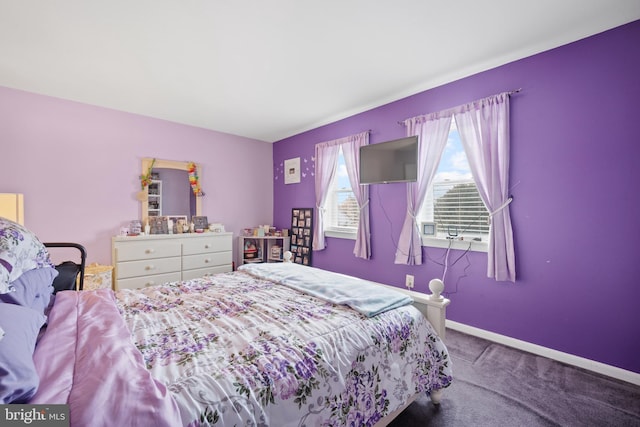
(335, 231)
(443, 242)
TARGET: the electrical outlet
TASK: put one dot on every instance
(409, 281)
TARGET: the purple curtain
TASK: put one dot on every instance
(484, 131)
(326, 165)
(351, 152)
(432, 130)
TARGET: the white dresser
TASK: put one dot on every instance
(152, 260)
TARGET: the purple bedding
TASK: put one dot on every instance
(232, 349)
(86, 358)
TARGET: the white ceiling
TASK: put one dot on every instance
(271, 69)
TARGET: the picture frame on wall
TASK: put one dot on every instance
(292, 171)
(302, 235)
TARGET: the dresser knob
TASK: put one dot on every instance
(207, 260)
(150, 267)
(151, 283)
(207, 246)
(150, 251)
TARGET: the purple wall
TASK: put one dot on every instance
(576, 210)
(78, 167)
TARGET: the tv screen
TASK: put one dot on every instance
(391, 161)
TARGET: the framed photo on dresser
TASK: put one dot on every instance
(200, 222)
(159, 225)
(302, 235)
(179, 222)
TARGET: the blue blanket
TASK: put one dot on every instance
(362, 295)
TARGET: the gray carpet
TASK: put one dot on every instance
(495, 385)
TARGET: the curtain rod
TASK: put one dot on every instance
(511, 92)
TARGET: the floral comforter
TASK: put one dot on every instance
(234, 349)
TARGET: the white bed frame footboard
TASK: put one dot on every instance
(433, 306)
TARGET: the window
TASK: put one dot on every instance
(341, 219)
(453, 203)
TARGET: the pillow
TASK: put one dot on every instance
(20, 251)
(33, 289)
(18, 377)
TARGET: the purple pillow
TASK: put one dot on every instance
(18, 377)
(33, 289)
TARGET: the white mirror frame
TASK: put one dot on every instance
(166, 164)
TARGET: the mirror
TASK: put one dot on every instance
(175, 195)
(177, 198)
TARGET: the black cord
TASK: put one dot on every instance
(393, 242)
(441, 264)
(465, 254)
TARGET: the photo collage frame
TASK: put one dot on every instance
(301, 235)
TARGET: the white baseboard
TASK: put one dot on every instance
(569, 359)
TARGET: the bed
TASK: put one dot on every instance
(270, 344)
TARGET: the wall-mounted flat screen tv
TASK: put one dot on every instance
(391, 161)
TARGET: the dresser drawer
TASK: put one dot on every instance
(202, 272)
(132, 251)
(148, 267)
(206, 244)
(151, 260)
(141, 282)
(191, 262)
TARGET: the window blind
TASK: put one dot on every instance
(342, 210)
(458, 209)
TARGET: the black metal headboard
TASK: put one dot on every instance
(68, 271)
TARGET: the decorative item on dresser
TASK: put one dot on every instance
(155, 169)
(155, 259)
(200, 223)
(158, 224)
